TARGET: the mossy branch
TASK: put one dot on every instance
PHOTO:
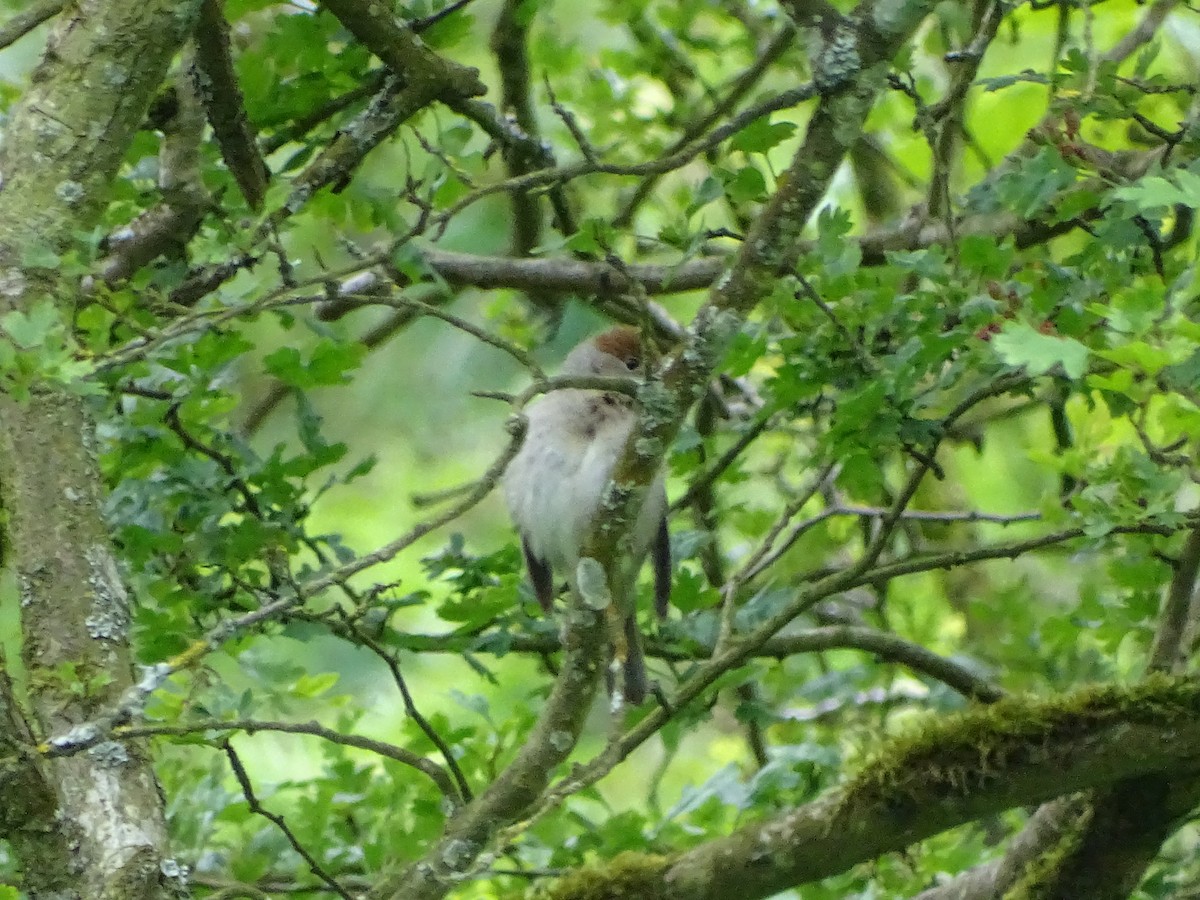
(1106, 838)
(951, 771)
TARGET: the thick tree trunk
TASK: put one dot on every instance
(92, 825)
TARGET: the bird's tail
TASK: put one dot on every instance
(633, 666)
(625, 654)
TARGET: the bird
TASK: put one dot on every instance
(554, 486)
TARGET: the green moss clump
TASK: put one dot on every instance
(960, 752)
(1037, 881)
(627, 876)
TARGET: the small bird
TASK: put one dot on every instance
(554, 484)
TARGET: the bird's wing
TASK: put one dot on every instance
(660, 556)
(540, 576)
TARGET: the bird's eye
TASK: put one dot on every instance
(631, 362)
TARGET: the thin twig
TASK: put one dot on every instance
(389, 751)
(767, 553)
(410, 706)
(732, 589)
(191, 442)
(426, 22)
(704, 480)
(887, 646)
(480, 334)
(256, 807)
(442, 495)
(917, 515)
(568, 118)
(25, 21)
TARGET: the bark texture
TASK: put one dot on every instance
(92, 825)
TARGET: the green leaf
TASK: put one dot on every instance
(455, 138)
(449, 31)
(1019, 345)
(286, 365)
(1155, 192)
(1039, 180)
(1139, 355)
(310, 686)
(40, 256)
(709, 190)
(744, 351)
(1189, 184)
(473, 703)
(690, 592)
(745, 185)
(985, 255)
(330, 363)
(31, 329)
(1000, 82)
(594, 237)
(761, 135)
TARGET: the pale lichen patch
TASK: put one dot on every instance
(116, 838)
(177, 874)
(648, 447)
(115, 75)
(13, 283)
(840, 59)
(657, 403)
(69, 192)
(24, 589)
(593, 583)
(109, 616)
(457, 854)
(152, 677)
(110, 753)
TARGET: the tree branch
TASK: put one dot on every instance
(955, 770)
(168, 226)
(965, 679)
(522, 781)
(216, 84)
(509, 44)
(28, 19)
(427, 767)
(1169, 649)
(424, 72)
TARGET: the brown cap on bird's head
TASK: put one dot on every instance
(623, 342)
